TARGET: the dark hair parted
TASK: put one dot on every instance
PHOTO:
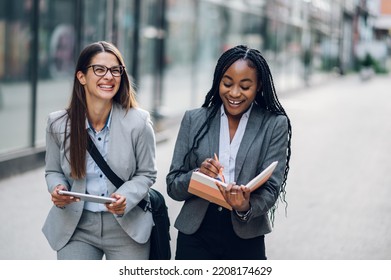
(266, 96)
(77, 109)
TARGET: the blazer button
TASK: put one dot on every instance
(220, 208)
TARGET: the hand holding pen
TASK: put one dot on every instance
(213, 168)
(236, 196)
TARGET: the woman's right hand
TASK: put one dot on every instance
(60, 200)
(211, 167)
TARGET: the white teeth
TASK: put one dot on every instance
(106, 86)
(234, 102)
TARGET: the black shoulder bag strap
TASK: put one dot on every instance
(117, 181)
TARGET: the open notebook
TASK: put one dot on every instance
(205, 186)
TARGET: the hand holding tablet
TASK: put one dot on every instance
(88, 197)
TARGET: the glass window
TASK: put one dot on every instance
(57, 59)
(124, 24)
(147, 66)
(15, 88)
(179, 56)
(219, 27)
(94, 20)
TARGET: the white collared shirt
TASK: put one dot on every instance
(95, 179)
(228, 149)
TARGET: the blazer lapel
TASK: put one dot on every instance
(114, 143)
(113, 140)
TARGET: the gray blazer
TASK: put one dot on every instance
(131, 155)
(265, 140)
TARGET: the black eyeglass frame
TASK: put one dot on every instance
(120, 67)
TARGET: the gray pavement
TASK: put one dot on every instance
(338, 187)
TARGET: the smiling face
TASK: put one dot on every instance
(238, 88)
(100, 88)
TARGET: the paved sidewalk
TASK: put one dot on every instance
(338, 186)
(25, 203)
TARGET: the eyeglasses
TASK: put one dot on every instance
(101, 70)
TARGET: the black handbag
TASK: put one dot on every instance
(160, 236)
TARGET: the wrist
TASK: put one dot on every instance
(243, 215)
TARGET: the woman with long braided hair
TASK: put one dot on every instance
(245, 125)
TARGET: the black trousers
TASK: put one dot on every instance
(216, 240)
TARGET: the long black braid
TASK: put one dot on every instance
(265, 98)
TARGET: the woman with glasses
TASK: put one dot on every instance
(103, 108)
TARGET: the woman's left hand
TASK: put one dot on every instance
(118, 207)
(236, 196)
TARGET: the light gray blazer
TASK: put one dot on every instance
(265, 140)
(131, 155)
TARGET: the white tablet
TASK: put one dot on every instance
(89, 197)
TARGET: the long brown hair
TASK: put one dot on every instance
(77, 109)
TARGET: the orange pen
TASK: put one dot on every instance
(221, 175)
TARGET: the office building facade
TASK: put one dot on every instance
(170, 49)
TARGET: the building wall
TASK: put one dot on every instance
(175, 57)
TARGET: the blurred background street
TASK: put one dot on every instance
(330, 61)
(338, 188)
